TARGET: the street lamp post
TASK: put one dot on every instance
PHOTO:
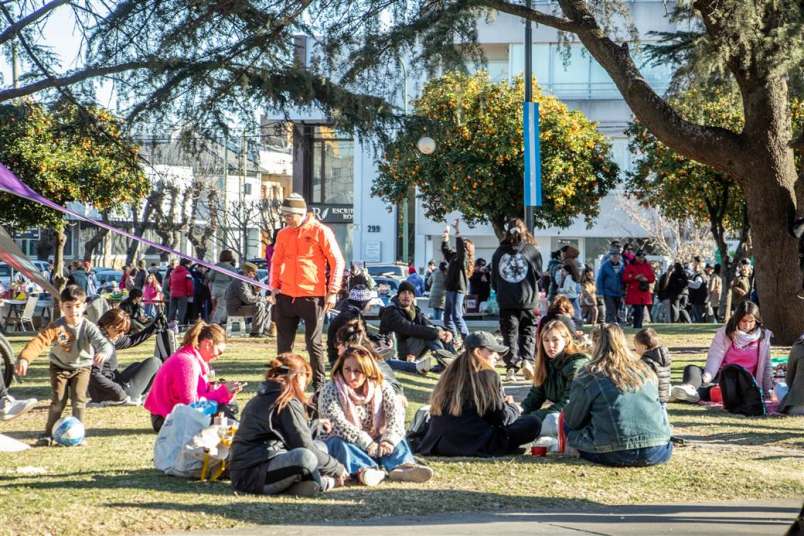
(528, 96)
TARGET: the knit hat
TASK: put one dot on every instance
(360, 293)
(406, 286)
(249, 267)
(614, 250)
(294, 204)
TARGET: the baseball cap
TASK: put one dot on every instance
(483, 339)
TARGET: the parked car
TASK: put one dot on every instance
(398, 271)
(107, 279)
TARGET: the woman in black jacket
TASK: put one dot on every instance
(470, 414)
(676, 286)
(110, 386)
(461, 266)
(273, 450)
(515, 271)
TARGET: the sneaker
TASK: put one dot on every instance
(411, 472)
(527, 370)
(305, 488)
(371, 477)
(510, 375)
(327, 483)
(44, 441)
(133, 401)
(424, 364)
(11, 408)
(385, 352)
(685, 392)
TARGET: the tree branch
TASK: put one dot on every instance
(15, 28)
(713, 146)
(539, 17)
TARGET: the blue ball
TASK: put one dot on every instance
(68, 432)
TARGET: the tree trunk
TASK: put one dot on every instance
(768, 179)
(92, 244)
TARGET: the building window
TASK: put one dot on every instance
(332, 173)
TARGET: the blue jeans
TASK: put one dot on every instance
(354, 458)
(453, 313)
(438, 313)
(631, 458)
(403, 366)
(613, 305)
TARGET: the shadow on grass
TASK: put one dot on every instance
(743, 438)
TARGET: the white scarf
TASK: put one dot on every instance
(742, 339)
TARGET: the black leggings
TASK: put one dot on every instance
(693, 375)
(522, 431)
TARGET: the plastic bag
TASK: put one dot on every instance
(180, 427)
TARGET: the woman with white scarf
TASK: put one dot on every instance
(743, 341)
(368, 422)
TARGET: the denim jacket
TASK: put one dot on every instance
(601, 418)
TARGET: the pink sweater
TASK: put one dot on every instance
(182, 379)
(720, 346)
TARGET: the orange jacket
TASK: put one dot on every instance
(302, 256)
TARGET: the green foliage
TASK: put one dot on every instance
(66, 154)
(478, 165)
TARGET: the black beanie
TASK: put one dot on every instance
(406, 285)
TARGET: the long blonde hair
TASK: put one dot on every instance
(612, 358)
(460, 383)
(540, 365)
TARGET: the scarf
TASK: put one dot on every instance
(741, 339)
(350, 399)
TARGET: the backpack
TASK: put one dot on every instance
(740, 392)
(419, 427)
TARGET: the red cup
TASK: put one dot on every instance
(715, 395)
(538, 451)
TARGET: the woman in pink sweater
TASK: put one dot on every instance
(743, 341)
(184, 376)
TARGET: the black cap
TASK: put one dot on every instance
(484, 339)
(406, 286)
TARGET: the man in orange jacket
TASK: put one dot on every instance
(306, 272)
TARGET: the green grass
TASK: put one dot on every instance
(110, 487)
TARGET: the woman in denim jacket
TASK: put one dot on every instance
(614, 416)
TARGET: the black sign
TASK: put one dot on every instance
(334, 213)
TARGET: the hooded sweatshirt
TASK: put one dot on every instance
(659, 360)
(515, 272)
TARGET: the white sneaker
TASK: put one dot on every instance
(11, 408)
(371, 477)
(510, 375)
(424, 364)
(527, 370)
(411, 472)
(684, 392)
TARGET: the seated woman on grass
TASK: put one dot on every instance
(743, 341)
(273, 450)
(614, 416)
(184, 376)
(470, 414)
(368, 422)
(353, 333)
(793, 402)
(107, 384)
(558, 361)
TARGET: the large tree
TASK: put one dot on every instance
(66, 153)
(478, 164)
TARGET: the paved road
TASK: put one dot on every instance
(732, 519)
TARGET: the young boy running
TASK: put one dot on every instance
(73, 341)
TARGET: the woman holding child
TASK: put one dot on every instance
(743, 342)
(558, 361)
(273, 450)
(614, 416)
(470, 414)
(185, 376)
(367, 422)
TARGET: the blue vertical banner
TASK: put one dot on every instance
(533, 156)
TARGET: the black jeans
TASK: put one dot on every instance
(613, 306)
(522, 431)
(638, 314)
(287, 314)
(518, 328)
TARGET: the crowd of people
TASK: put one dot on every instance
(603, 398)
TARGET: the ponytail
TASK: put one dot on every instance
(202, 331)
(283, 370)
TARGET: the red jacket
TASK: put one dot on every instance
(307, 261)
(634, 296)
(181, 283)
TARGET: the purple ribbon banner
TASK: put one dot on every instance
(13, 185)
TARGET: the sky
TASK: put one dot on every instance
(59, 33)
